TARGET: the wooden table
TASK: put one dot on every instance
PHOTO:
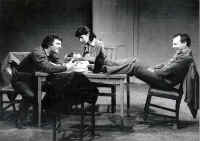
(118, 80)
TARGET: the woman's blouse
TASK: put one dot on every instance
(91, 50)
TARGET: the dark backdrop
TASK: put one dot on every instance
(24, 23)
(142, 27)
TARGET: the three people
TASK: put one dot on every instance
(44, 58)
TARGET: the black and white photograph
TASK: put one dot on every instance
(99, 70)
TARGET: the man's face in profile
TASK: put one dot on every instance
(56, 46)
(177, 44)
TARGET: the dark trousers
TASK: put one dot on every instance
(69, 89)
(28, 96)
(63, 90)
(138, 69)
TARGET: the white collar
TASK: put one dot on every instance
(93, 42)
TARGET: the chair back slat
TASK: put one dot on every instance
(17, 57)
(110, 52)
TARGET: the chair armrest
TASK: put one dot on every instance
(24, 74)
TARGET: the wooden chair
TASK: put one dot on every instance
(10, 101)
(110, 52)
(175, 94)
(8, 96)
(8, 70)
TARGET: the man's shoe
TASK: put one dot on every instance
(103, 69)
(99, 64)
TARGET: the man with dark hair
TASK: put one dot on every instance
(184, 38)
(48, 41)
(60, 85)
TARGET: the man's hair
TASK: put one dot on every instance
(184, 38)
(84, 30)
(48, 40)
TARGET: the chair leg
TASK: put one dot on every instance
(14, 108)
(128, 95)
(1, 105)
(177, 114)
(82, 121)
(93, 119)
(146, 108)
(54, 127)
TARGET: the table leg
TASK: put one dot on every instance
(128, 95)
(1, 105)
(122, 87)
(39, 96)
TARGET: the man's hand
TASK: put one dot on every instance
(69, 64)
(151, 69)
(159, 66)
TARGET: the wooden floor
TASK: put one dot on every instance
(156, 129)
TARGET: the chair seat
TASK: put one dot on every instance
(7, 89)
(163, 93)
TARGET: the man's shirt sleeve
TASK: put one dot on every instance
(176, 67)
(44, 64)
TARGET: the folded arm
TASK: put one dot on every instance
(176, 67)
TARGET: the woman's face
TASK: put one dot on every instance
(84, 38)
